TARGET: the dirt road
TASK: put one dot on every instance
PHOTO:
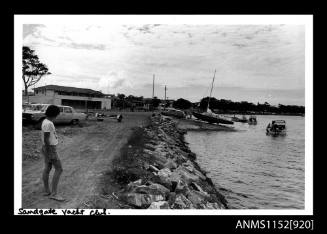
(86, 155)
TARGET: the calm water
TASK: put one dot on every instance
(255, 171)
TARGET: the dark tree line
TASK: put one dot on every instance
(182, 104)
(222, 105)
(228, 106)
(122, 101)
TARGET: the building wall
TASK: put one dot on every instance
(45, 100)
(106, 103)
(50, 97)
(50, 93)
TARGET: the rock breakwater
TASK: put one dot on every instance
(158, 171)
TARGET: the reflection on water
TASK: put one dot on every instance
(255, 171)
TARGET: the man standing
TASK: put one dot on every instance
(49, 150)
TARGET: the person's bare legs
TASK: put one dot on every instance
(45, 177)
(55, 180)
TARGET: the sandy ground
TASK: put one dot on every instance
(86, 154)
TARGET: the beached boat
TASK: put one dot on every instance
(237, 119)
(211, 117)
(252, 120)
(208, 115)
(276, 128)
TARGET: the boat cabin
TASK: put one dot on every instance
(278, 124)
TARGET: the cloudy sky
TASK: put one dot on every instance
(254, 63)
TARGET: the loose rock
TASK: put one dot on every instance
(173, 180)
(159, 205)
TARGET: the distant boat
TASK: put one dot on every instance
(208, 115)
(276, 128)
(237, 119)
(252, 120)
(244, 119)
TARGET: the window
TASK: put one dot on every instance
(44, 108)
(68, 110)
(61, 109)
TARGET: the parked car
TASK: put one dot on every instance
(35, 113)
(26, 105)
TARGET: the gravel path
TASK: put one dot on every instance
(86, 153)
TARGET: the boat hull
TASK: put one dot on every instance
(243, 121)
(252, 122)
(276, 133)
(211, 119)
(235, 119)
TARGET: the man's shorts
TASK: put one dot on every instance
(51, 156)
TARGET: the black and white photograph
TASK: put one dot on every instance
(164, 114)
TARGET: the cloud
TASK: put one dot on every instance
(31, 29)
(238, 45)
(123, 58)
(147, 28)
(118, 83)
(150, 85)
(114, 82)
(84, 46)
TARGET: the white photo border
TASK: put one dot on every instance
(306, 20)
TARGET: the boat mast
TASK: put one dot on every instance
(213, 79)
(153, 87)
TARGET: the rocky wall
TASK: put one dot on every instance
(163, 173)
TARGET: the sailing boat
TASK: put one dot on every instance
(208, 115)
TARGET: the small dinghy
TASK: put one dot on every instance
(252, 120)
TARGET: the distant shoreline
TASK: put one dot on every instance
(217, 112)
(259, 113)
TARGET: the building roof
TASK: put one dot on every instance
(109, 95)
(69, 89)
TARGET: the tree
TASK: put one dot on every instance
(212, 104)
(182, 104)
(121, 96)
(33, 69)
(122, 101)
(155, 102)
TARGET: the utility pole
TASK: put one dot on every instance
(165, 96)
(153, 87)
(87, 111)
